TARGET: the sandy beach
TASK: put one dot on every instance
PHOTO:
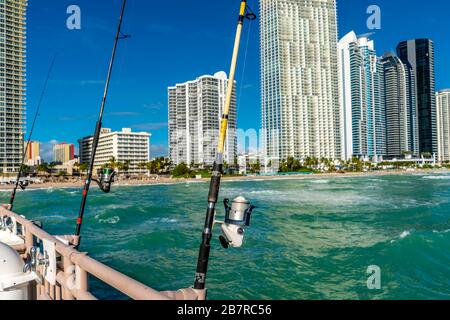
(166, 180)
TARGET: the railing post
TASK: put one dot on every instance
(58, 292)
(29, 241)
(81, 280)
(68, 274)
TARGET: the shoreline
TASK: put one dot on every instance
(169, 181)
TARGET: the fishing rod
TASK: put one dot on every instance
(24, 184)
(107, 175)
(238, 214)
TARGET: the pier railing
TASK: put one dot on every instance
(74, 268)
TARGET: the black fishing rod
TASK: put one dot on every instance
(19, 183)
(107, 175)
(232, 227)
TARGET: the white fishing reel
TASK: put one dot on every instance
(237, 217)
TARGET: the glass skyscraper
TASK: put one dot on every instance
(361, 98)
(402, 125)
(419, 54)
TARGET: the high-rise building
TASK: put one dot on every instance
(362, 111)
(12, 84)
(443, 124)
(402, 125)
(299, 78)
(195, 113)
(64, 152)
(124, 146)
(419, 54)
(33, 156)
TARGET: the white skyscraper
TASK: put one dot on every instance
(195, 113)
(12, 83)
(443, 124)
(299, 78)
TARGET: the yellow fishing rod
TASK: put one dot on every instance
(244, 215)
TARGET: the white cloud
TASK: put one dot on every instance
(47, 154)
(158, 150)
(150, 126)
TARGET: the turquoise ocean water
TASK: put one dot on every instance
(309, 239)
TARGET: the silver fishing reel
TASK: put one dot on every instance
(106, 179)
(6, 223)
(24, 184)
(237, 217)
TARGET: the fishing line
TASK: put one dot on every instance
(121, 70)
(244, 68)
(20, 184)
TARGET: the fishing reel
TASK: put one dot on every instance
(24, 184)
(6, 223)
(237, 217)
(106, 179)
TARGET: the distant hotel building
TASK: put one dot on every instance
(299, 79)
(420, 55)
(443, 124)
(124, 146)
(33, 157)
(361, 84)
(64, 152)
(12, 83)
(195, 113)
(402, 125)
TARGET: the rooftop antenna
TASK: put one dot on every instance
(107, 175)
(24, 184)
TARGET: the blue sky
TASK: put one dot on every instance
(175, 41)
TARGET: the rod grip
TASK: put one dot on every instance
(214, 187)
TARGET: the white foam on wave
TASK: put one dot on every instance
(405, 234)
(320, 181)
(167, 220)
(441, 232)
(112, 220)
(265, 192)
(437, 177)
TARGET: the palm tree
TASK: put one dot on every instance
(83, 167)
(25, 169)
(113, 164)
(43, 167)
(142, 166)
(126, 166)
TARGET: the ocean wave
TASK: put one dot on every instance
(161, 220)
(437, 177)
(405, 234)
(265, 192)
(112, 220)
(320, 181)
(441, 232)
(167, 220)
